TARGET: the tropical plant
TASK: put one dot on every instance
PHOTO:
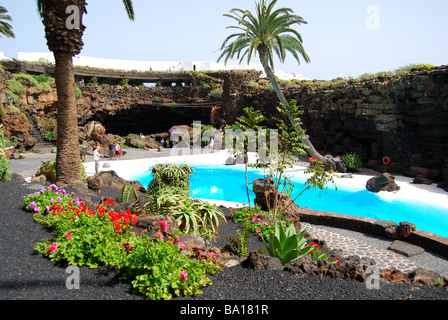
(193, 216)
(5, 27)
(50, 166)
(319, 178)
(248, 123)
(159, 270)
(352, 161)
(170, 178)
(282, 153)
(287, 245)
(259, 222)
(5, 169)
(240, 243)
(267, 32)
(65, 43)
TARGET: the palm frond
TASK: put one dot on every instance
(266, 28)
(129, 9)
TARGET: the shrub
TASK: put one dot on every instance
(216, 94)
(16, 87)
(5, 169)
(352, 161)
(41, 78)
(240, 244)
(256, 220)
(193, 216)
(158, 270)
(48, 136)
(77, 93)
(51, 166)
(156, 267)
(170, 178)
(47, 124)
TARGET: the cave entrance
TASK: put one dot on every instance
(150, 119)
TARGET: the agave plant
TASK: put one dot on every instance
(287, 245)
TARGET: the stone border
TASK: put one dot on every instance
(427, 240)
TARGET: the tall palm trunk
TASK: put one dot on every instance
(65, 42)
(270, 74)
(68, 162)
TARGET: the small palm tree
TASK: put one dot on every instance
(65, 43)
(5, 27)
(268, 32)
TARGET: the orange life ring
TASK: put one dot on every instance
(386, 161)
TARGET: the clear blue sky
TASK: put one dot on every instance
(336, 37)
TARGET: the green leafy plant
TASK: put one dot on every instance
(352, 161)
(259, 222)
(240, 243)
(248, 123)
(289, 144)
(287, 245)
(5, 169)
(78, 93)
(158, 270)
(48, 135)
(155, 266)
(50, 166)
(16, 87)
(216, 94)
(193, 216)
(170, 178)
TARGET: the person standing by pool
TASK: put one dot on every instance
(117, 150)
(96, 158)
(111, 150)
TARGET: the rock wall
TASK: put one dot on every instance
(404, 118)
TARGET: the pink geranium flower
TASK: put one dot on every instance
(69, 235)
(184, 275)
(53, 248)
(212, 255)
(163, 225)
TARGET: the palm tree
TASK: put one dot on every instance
(5, 27)
(65, 43)
(267, 32)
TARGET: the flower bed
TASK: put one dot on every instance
(157, 267)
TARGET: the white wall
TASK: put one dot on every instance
(3, 57)
(129, 65)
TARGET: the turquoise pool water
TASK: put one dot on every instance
(227, 183)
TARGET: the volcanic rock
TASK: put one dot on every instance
(383, 182)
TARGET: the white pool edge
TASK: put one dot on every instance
(127, 169)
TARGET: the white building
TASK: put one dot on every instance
(128, 65)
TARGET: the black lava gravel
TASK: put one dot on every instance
(26, 275)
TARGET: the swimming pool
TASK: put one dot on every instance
(227, 183)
